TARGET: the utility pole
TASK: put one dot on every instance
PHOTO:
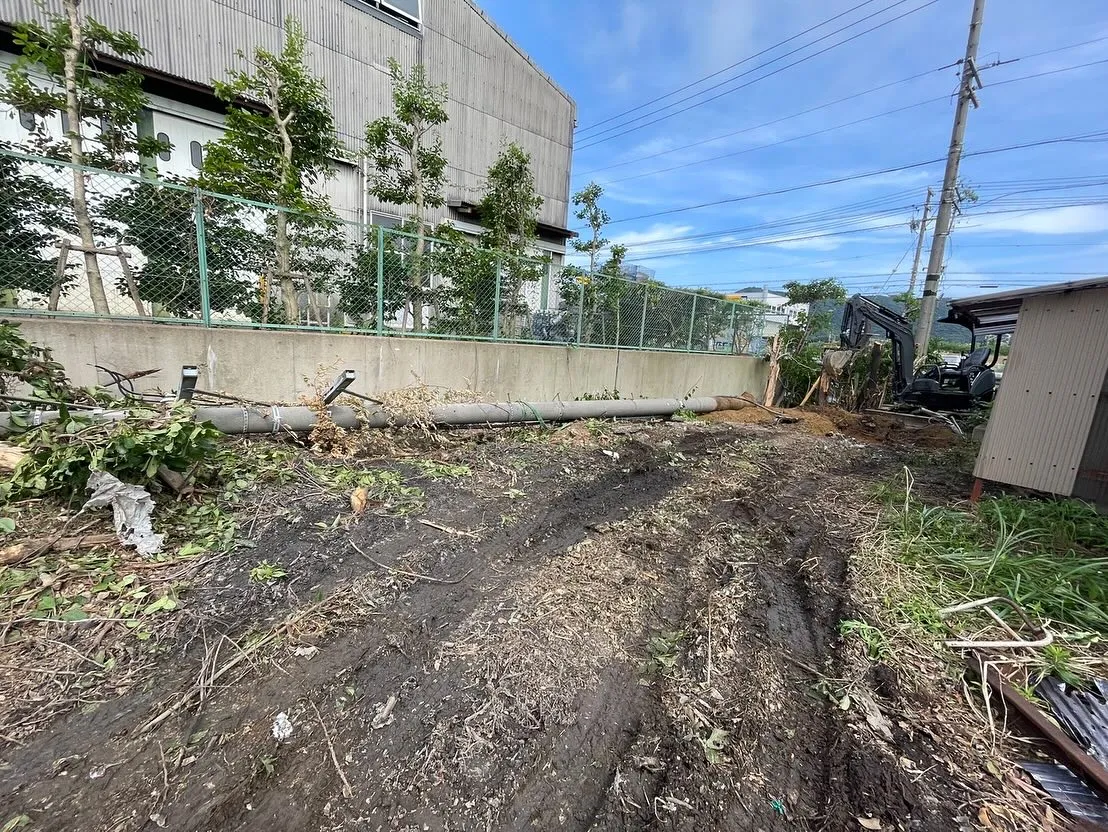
(919, 243)
(943, 222)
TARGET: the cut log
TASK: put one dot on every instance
(10, 456)
(28, 549)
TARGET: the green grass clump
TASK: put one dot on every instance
(1050, 556)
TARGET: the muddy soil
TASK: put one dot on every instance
(619, 632)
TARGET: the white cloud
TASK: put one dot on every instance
(1077, 219)
(656, 233)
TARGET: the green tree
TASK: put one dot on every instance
(802, 353)
(509, 213)
(467, 299)
(277, 151)
(100, 110)
(33, 208)
(409, 165)
(161, 223)
(799, 333)
(587, 201)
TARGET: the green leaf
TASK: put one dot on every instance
(163, 604)
(7, 525)
(75, 613)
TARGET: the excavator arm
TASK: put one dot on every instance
(858, 314)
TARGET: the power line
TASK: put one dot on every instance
(778, 240)
(1099, 134)
(596, 139)
(837, 126)
(838, 215)
(833, 127)
(726, 68)
(780, 142)
(817, 108)
(861, 94)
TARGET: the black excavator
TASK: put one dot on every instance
(961, 386)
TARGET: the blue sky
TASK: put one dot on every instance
(1042, 212)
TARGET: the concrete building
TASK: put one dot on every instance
(496, 92)
(1049, 427)
(779, 312)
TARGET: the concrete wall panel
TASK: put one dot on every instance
(272, 365)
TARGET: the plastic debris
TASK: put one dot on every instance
(132, 508)
(282, 727)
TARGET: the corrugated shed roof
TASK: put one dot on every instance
(1084, 714)
(999, 311)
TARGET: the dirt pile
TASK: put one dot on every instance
(825, 421)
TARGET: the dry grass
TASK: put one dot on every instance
(531, 652)
(977, 747)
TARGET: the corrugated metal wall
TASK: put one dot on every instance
(496, 93)
(1092, 476)
(1050, 392)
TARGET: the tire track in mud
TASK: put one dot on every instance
(796, 761)
(226, 786)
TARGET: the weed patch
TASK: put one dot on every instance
(1039, 553)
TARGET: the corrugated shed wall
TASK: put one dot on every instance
(496, 94)
(1051, 389)
(1092, 476)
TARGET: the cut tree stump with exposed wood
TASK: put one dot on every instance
(10, 456)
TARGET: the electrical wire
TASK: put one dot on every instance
(719, 72)
(779, 143)
(600, 138)
(839, 214)
(785, 240)
(863, 93)
(1100, 134)
(815, 109)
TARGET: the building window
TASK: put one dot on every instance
(164, 154)
(65, 123)
(196, 154)
(385, 220)
(407, 11)
(27, 120)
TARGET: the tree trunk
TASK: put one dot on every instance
(282, 243)
(283, 249)
(415, 277)
(77, 157)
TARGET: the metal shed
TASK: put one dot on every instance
(1049, 426)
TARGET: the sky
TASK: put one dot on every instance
(740, 127)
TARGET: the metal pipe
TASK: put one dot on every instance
(300, 419)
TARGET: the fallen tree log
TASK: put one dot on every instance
(18, 552)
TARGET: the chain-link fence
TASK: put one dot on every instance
(163, 250)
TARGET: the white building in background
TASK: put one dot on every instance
(780, 312)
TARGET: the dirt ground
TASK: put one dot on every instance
(631, 627)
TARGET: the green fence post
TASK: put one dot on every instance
(496, 302)
(202, 259)
(380, 280)
(580, 310)
(734, 335)
(545, 287)
(642, 326)
(692, 323)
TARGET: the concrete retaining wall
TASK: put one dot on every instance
(273, 365)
